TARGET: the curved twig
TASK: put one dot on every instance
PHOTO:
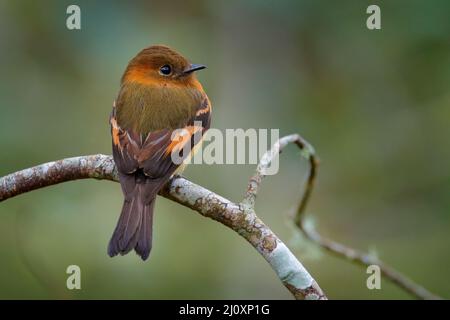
(336, 248)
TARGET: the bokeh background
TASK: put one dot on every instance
(375, 105)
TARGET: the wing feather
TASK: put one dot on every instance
(153, 154)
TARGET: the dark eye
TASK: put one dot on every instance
(165, 70)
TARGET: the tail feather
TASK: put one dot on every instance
(132, 223)
(144, 240)
(134, 228)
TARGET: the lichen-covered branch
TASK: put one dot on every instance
(96, 166)
(236, 216)
(245, 222)
(336, 248)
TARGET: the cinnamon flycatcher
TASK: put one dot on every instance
(159, 95)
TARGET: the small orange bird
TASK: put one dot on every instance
(159, 95)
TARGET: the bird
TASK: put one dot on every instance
(161, 110)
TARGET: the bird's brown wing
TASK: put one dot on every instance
(152, 153)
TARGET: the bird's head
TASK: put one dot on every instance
(162, 66)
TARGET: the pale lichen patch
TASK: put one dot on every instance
(288, 268)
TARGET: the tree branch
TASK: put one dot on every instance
(336, 248)
(238, 217)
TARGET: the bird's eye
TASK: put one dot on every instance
(165, 70)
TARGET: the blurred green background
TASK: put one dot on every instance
(375, 105)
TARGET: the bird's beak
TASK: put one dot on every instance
(193, 67)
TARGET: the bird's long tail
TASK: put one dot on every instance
(134, 228)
